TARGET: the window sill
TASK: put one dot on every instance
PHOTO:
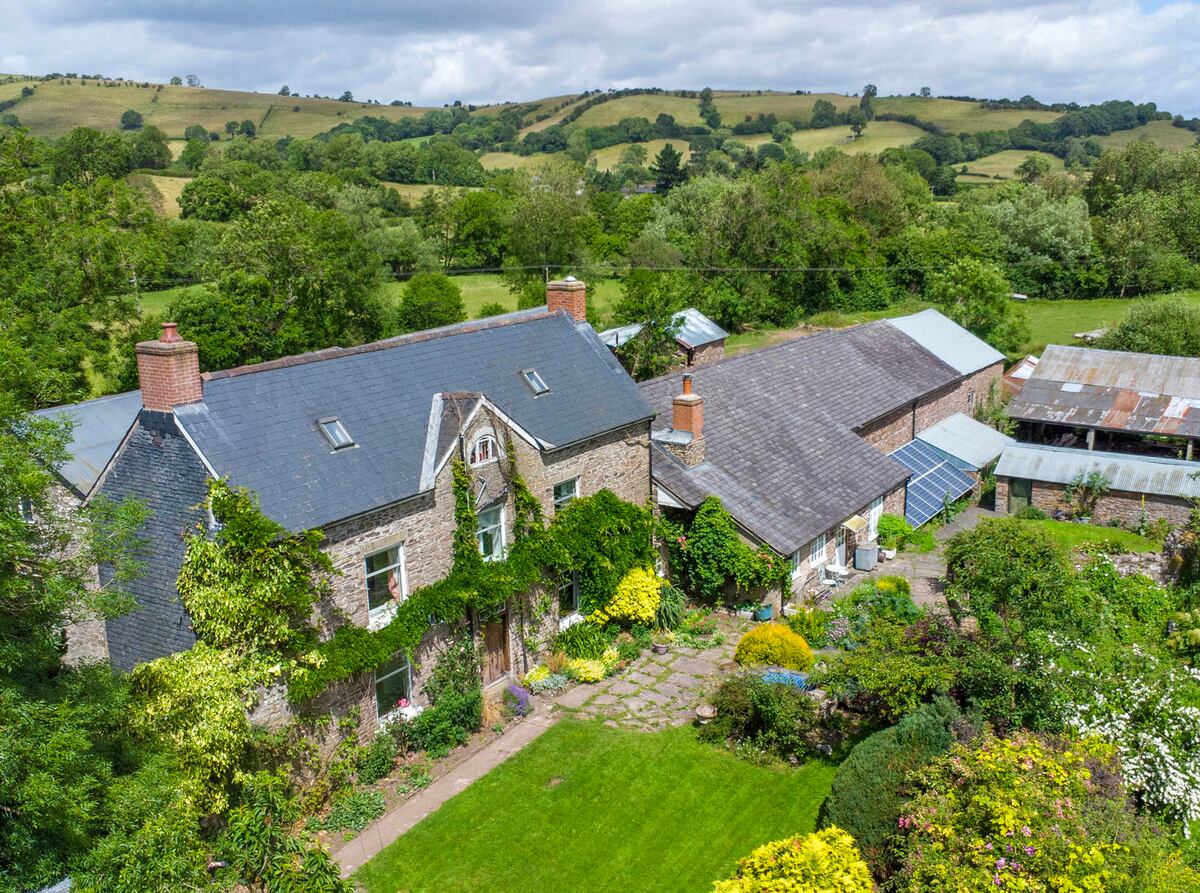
(380, 617)
(569, 621)
(402, 714)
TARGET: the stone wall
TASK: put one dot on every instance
(890, 431)
(805, 575)
(708, 353)
(1115, 506)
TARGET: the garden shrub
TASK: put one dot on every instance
(713, 555)
(353, 810)
(774, 645)
(377, 758)
(824, 862)
(584, 670)
(895, 668)
(884, 597)
(699, 629)
(671, 607)
(447, 724)
(516, 700)
(636, 600)
(872, 786)
(812, 625)
(584, 640)
(777, 718)
(1031, 813)
(893, 531)
(1031, 513)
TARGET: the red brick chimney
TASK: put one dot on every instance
(686, 437)
(169, 371)
(567, 294)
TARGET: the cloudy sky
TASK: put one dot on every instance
(434, 51)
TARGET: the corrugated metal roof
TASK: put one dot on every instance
(968, 444)
(1115, 390)
(1127, 473)
(694, 330)
(98, 427)
(948, 341)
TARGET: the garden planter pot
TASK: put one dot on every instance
(705, 714)
(659, 648)
(744, 614)
(766, 612)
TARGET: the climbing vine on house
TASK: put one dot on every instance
(711, 554)
(600, 538)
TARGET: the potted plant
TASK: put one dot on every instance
(705, 713)
(662, 641)
(764, 612)
(745, 610)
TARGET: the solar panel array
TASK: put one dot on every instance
(934, 480)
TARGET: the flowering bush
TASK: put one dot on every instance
(537, 674)
(1030, 814)
(763, 719)
(583, 670)
(884, 597)
(635, 601)
(824, 862)
(516, 700)
(773, 644)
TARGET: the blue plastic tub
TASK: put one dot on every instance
(786, 677)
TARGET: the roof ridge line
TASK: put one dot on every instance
(333, 353)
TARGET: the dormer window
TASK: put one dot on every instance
(484, 450)
(335, 432)
(535, 381)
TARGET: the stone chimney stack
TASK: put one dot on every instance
(567, 294)
(686, 438)
(169, 371)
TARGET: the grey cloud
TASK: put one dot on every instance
(482, 50)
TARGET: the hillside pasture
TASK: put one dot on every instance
(1004, 164)
(877, 136)
(959, 116)
(1163, 133)
(498, 161)
(735, 107)
(649, 106)
(414, 192)
(608, 157)
(530, 125)
(162, 192)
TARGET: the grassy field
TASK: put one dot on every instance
(485, 288)
(957, 116)
(878, 136)
(1005, 164)
(157, 301)
(495, 161)
(1074, 535)
(531, 126)
(608, 157)
(734, 107)
(587, 808)
(55, 108)
(1164, 133)
(649, 106)
(414, 192)
(163, 192)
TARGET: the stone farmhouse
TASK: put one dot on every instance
(1130, 418)
(804, 442)
(808, 443)
(357, 442)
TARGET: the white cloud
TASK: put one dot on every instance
(480, 50)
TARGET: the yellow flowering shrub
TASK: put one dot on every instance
(825, 862)
(774, 645)
(582, 670)
(537, 674)
(635, 601)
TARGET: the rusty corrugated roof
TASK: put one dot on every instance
(1113, 390)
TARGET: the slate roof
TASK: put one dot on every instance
(258, 426)
(947, 341)
(780, 447)
(966, 443)
(159, 468)
(1113, 390)
(1126, 472)
(694, 330)
(98, 427)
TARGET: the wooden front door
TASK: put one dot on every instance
(495, 650)
(1020, 491)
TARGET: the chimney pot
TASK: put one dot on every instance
(170, 333)
(687, 383)
(568, 294)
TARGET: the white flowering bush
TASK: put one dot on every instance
(1144, 706)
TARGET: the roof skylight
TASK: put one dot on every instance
(534, 380)
(335, 432)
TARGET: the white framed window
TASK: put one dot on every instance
(568, 600)
(387, 584)
(335, 432)
(794, 561)
(393, 687)
(484, 450)
(874, 513)
(489, 531)
(816, 551)
(564, 492)
(535, 381)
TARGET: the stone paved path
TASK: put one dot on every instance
(656, 690)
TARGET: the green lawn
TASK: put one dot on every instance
(1074, 535)
(482, 288)
(588, 809)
